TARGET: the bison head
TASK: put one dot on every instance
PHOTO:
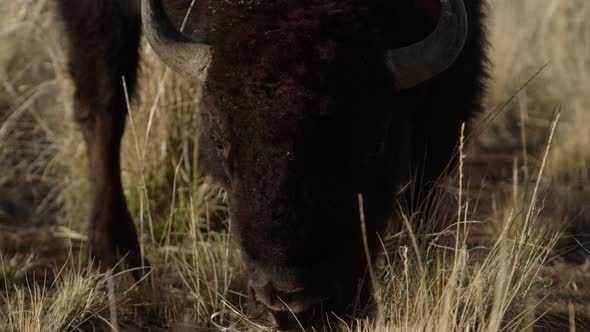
(303, 101)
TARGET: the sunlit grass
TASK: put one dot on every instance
(425, 282)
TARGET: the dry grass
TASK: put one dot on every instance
(433, 285)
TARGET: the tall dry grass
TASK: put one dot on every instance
(197, 271)
(541, 66)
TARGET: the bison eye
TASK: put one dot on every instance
(222, 149)
(217, 142)
(375, 148)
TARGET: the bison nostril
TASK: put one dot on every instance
(279, 300)
(268, 293)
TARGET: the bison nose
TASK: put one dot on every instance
(294, 300)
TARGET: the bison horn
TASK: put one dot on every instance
(424, 60)
(182, 54)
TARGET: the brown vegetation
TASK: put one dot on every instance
(504, 275)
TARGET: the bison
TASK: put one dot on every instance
(306, 105)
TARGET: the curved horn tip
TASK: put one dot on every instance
(426, 59)
(182, 54)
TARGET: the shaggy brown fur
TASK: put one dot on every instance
(101, 52)
(304, 115)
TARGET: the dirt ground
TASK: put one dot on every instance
(563, 303)
(539, 66)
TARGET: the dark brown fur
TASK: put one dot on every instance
(101, 52)
(304, 114)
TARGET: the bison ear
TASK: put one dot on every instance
(182, 54)
(428, 58)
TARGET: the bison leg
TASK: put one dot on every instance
(103, 47)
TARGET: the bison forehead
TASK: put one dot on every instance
(274, 66)
(385, 22)
(300, 56)
(286, 30)
(276, 15)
